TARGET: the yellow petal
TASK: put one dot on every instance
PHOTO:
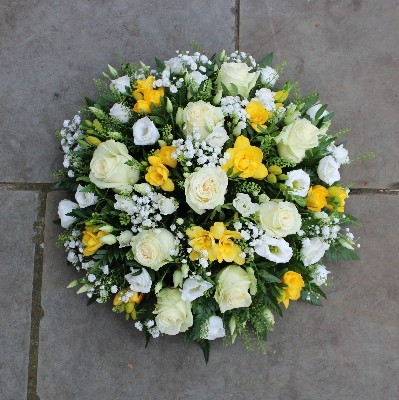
(241, 141)
(217, 230)
(168, 186)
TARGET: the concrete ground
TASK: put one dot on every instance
(51, 345)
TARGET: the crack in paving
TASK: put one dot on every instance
(37, 311)
(237, 26)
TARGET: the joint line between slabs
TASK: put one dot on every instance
(27, 186)
(37, 311)
(237, 26)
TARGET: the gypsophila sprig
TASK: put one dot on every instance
(205, 196)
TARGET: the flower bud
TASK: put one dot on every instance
(177, 278)
(179, 117)
(324, 128)
(158, 287)
(217, 97)
(271, 178)
(107, 228)
(185, 269)
(108, 239)
(169, 106)
(237, 131)
(162, 143)
(282, 177)
(280, 96)
(275, 169)
(222, 56)
(93, 140)
(263, 198)
(291, 117)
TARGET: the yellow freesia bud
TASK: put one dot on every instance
(142, 107)
(275, 169)
(336, 198)
(91, 241)
(271, 178)
(93, 140)
(280, 96)
(158, 175)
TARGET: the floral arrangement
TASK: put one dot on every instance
(205, 198)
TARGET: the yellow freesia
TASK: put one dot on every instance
(245, 159)
(258, 114)
(294, 284)
(316, 198)
(201, 240)
(226, 249)
(91, 241)
(158, 175)
(164, 156)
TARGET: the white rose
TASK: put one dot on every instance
(139, 283)
(145, 132)
(296, 138)
(152, 248)
(120, 112)
(218, 137)
(167, 205)
(173, 314)
(214, 328)
(205, 189)
(313, 250)
(268, 76)
(243, 204)
(85, 199)
(299, 181)
(328, 170)
(124, 238)
(175, 65)
(279, 218)
(276, 250)
(266, 98)
(64, 208)
(319, 274)
(202, 118)
(232, 285)
(126, 205)
(120, 84)
(339, 153)
(237, 74)
(108, 167)
(194, 287)
(312, 111)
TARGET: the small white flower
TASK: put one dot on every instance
(328, 170)
(194, 287)
(139, 326)
(339, 153)
(64, 208)
(139, 283)
(277, 250)
(85, 199)
(243, 204)
(114, 289)
(120, 112)
(319, 274)
(145, 132)
(120, 84)
(91, 278)
(299, 181)
(266, 98)
(72, 257)
(214, 328)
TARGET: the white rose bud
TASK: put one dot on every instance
(313, 250)
(328, 170)
(194, 287)
(85, 199)
(64, 208)
(145, 132)
(214, 328)
(124, 238)
(167, 205)
(142, 188)
(268, 76)
(120, 84)
(120, 112)
(218, 137)
(139, 283)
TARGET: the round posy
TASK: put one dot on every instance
(204, 197)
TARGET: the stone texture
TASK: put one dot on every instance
(347, 51)
(18, 214)
(50, 51)
(344, 350)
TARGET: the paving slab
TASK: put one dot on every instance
(344, 350)
(348, 51)
(18, 214)
(50, 51)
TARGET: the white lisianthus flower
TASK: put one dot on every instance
(319, 274)
(206, 188)
(266, 98)
(194, 287)
(296, 138)
(120, 83)
(214, 328)
(167, 205)
(268, 76)
(313, 250)
(151, 248)
(277, 250)
(232, 285)
(237, 74)
(312, 111)
(126, 205)
(243, 204)
(197, 78)
(279, 218)
(218, 137)
(299, 181)
(328, 170)
(339, 153)
(85, 199)
(145, 132)
(175, 65)
(173, 315)
(120, 112)
(108, 169)
(64, 208)
(139, 283)
(202, 118)
(124, 238)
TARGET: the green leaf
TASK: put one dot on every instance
(89, 102)
(266, 61)
(320, 111)
(205, 346)
(268, 277)
(340, 253)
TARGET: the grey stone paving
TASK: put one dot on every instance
(18, 214)
(50, 50)
(348, 51)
